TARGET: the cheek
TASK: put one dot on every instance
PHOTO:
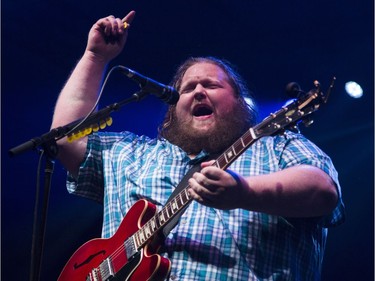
(182, 105)
(228, 106)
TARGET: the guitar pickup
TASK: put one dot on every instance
(130, 247)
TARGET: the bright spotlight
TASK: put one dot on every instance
(353, 89)
(249, 102)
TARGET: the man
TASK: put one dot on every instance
(264, 219)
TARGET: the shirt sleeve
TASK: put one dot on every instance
(297, 150)
(89, 182)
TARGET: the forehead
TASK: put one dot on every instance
(204, 70)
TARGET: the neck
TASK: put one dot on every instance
(192, 156)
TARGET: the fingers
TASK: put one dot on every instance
(211, 178)
(214, 187)
(204, 188)
(202, 199)
(129, 17)
(108, 36)
(208, 163)
(112, 26)
(200, 193)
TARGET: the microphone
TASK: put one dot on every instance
(166, 93)
(293, 90)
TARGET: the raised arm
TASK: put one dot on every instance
(106, 40)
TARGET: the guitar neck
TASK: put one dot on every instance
(183, 199)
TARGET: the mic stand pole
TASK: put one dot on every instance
(37, 245)
(49, 147)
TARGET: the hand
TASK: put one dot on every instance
(107, 37)
(216, 188)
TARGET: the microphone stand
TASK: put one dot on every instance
(49, 149)
(48, 140)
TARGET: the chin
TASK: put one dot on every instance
(204, 125)
(202, 130)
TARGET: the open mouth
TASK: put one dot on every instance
(202, 110)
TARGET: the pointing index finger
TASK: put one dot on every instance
(128, 19)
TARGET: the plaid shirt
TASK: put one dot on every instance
(210, 244)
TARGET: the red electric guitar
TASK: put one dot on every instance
(131, 253)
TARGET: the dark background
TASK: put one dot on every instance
(271, 42)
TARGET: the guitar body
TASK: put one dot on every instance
(144, 265)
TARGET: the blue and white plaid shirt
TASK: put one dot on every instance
(210, 244)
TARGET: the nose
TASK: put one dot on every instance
(200, 92)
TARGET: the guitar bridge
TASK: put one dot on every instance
(103, 273)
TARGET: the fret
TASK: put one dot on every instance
(238, 147)
(166, 210)
(141, 236)
(162, 218)
(242, 142)
(147, 230)
(183, 196)
(136, 239)
(225, 156)
(169, 209)
(180, 196)
(222, 162)
(247, 138)
(229, 154)
(178, 201)
(187, 196)
(174, 206)
(157, 221)
(153, 224)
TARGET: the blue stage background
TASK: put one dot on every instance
(271, 42)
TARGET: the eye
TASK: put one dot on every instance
(212, 85)
(184, 91)
(187, 89)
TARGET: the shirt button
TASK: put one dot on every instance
(173, 277)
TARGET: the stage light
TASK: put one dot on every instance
(353, 89)
(249, 102)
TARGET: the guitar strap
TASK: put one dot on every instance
(183, 184)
